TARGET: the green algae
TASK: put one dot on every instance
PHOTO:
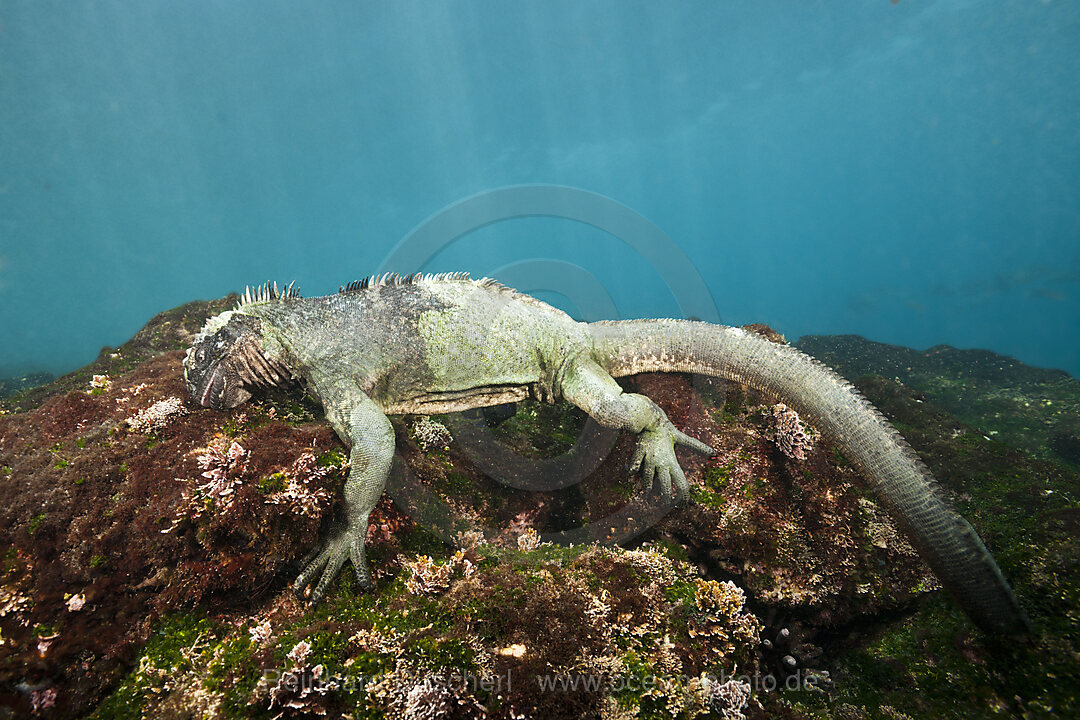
(219, 660)
(272, 483)
(336, 457)
(681, 592)
(233, 674)
(169, 651)
(717, 478)
(35, 522)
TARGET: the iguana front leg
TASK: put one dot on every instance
(592, 389)
(363, 426)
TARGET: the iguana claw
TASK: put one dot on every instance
(655, 457)
(346, 542)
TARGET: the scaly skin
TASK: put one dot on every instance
(446, 343)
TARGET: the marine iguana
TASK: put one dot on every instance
(443, 343)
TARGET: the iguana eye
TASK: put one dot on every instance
(201, 354)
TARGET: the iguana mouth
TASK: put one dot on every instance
(216, 380)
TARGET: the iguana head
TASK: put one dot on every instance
(231, 356)
(214, 368)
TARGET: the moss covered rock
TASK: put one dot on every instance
(148, 546)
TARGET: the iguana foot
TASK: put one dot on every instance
(346, 542)
(655, 457)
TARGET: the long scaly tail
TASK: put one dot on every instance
(903, 483)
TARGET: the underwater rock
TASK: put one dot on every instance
(1026, 407)
(148, 544)
(11, 386)
(1067, 446)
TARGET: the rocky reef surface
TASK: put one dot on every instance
(148, 546)
(1034, 409)
(14, 385)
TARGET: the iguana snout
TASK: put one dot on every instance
(212, 380)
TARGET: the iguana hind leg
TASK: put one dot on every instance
(371, 436)
(592, 389)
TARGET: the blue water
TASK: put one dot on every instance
(909, 172)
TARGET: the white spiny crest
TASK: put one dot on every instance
(266, 293)
(392, 279)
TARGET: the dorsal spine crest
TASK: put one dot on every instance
(267, 293)
(391, 279)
